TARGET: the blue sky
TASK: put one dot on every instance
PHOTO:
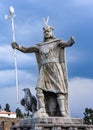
(69, 18)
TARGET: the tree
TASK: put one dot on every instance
(19, 113)
(7, 107)
(0, 107)
(88, 116)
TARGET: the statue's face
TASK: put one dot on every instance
(48, 34)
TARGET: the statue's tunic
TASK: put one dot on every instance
(51, 76)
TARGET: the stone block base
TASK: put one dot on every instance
(52, 123)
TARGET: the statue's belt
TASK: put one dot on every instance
(50, 60)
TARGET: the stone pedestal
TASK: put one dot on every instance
(52, 123)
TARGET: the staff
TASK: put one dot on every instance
(11, 17)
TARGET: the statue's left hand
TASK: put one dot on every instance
(72, 39)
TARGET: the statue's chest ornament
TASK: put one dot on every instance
(47, 49)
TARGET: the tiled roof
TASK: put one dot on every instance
(5, 112)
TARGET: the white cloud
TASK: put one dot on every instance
(7, 78)
(7, 57)
(26, 60)
(26, 78)
(80, 95)
(5, 53)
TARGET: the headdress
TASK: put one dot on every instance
(47, 27)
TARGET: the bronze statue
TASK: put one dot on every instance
(50, 56)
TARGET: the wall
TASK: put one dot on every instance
(6, 123)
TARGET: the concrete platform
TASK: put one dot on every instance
(52, 123)
(53, 120)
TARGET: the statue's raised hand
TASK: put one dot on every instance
(72, 39)
(15, 45)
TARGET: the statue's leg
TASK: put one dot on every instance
(61, 99)
(40, 100)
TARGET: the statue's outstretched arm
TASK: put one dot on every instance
(67, 43)
(24, 49)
